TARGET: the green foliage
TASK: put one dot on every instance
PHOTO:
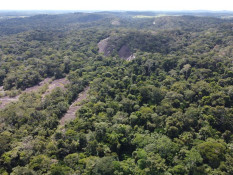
(167, 111)
(213, 151)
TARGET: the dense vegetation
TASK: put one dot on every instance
(168, 111)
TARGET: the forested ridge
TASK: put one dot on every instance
(166, 111)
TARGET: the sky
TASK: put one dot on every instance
(142, 5)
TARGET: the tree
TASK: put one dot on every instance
(212, 151)
(193, 159)
(40, 163)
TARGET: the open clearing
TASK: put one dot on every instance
(51, 85)
(74, 107)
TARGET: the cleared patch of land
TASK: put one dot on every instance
(74, 107)
(4, 101)
(56, 83)
(36, 88)
(124, 51)
(103, 46)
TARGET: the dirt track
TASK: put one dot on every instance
(74, 107)
(56, 83)
(6, 100)
(36, 87)
(52, 85)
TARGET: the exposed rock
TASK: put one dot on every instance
(103, 47)
(124, 52)
(131, 57)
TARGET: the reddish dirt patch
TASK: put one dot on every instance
(74, 107)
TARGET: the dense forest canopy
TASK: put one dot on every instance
(157, 94)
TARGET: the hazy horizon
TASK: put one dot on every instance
(120, 5)
(54, 10)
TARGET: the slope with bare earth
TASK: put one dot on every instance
(105, 46)
(35, 88)
(126, 53)
(52, 85)
(7, 99)
(74, 107)
(56, 83)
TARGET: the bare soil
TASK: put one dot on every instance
(36, 87)
(56, 83)
(52, 85)
(131, 57)
(74, 107)
(124, 51)
(6, 100)
(103, 47)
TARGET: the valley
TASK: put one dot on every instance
(116, 92)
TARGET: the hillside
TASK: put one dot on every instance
(116, 93)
